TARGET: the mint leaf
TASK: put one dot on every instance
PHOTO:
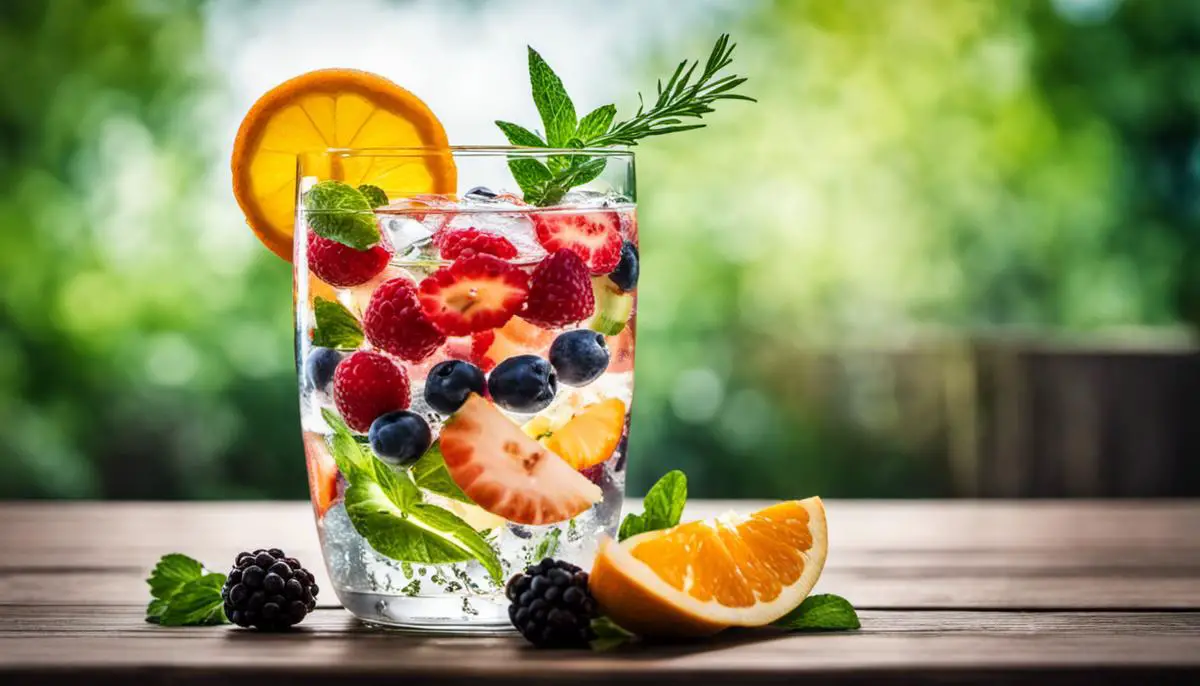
(198, 602)
(335, 326)
(825, 612)
(431, 474)
(532, 176)
(389, 515)
(155, 610)
(595, 123)
(553, 103)
(351, 459)
(374, 195)
(663, 506)
(547, 546)
(519, 135)
(171, 573)
(341, 213)
(608, 635)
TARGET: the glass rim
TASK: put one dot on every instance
(615, 152)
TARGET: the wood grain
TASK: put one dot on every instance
(991, 593)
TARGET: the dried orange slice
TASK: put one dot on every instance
(591, 436)
(320, 110)
(700, 577)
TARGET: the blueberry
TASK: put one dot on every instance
(399, 438)
(525, 383)
(626, 273)
(450, 382)
(579, 357)
(320, 365)
(482, 192)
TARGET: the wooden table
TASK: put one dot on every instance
(949, 592)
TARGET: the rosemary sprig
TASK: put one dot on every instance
(681, 98)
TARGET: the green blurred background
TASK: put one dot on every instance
(954, 250)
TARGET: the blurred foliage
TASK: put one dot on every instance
(945, 164)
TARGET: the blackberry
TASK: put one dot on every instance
(551, 605)
(268, 590)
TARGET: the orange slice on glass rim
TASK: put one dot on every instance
(329, 109)
(697, 578)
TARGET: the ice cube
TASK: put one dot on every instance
(404, 233)
(583, 198)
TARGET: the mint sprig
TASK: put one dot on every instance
(184, 594)
(388, 508)
(609, 635)
(335, 326)
(340, 212)
(680, 98)
(825, 612)
(662, 506)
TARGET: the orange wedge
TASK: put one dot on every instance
(332, 108)
(589, 437)
(700, 577)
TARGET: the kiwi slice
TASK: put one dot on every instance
(613, 307)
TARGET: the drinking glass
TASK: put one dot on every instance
(429, 544)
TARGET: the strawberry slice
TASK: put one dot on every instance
(476, 293)
(508, 473)
(322, 472)
(594, 236)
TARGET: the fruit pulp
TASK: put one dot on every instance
(462, 596)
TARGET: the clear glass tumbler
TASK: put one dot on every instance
(466, 374)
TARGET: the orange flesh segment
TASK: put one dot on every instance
(737, 565)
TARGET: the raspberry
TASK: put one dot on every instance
(480, 343)
(366, 385)
(476, 293)
(465, 242)
(394, 322)
(560, 291)
(342, 266)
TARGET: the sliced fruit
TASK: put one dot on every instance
(474, 294)
(478, 518)
(594, 236)
(700, 577)
(591, 436)
(332, 108)
(508, 473)
(613, 307)
(621, 349)
(322, 472)
(517, 337)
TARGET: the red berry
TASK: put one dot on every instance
(560, 291)
(480, 343)
(476, 293)
(342, 266)
(594, 236)
(366, 385)
(394, 322)
(464, 242)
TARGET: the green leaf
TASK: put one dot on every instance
(553, 103)
(155, 610)
(351, 458)
(532, 176)
(519, 135)
(388, 515)
(582, 171)
(374, 195)
(171, 573)
(341, 213)
(431, 474)
(609, 635)
(595, 123)
(825, 612)
(335, 326)
(663, 506)
(197, 603)
(547, 546)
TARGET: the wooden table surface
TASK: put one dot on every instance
(949, 592)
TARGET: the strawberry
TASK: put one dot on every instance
(366, 385)
(560, 291)
(480, 344)
(464, 242)
(395, 322)
(594, 236)
(342, 266)
(508, 473)
(476, 293)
